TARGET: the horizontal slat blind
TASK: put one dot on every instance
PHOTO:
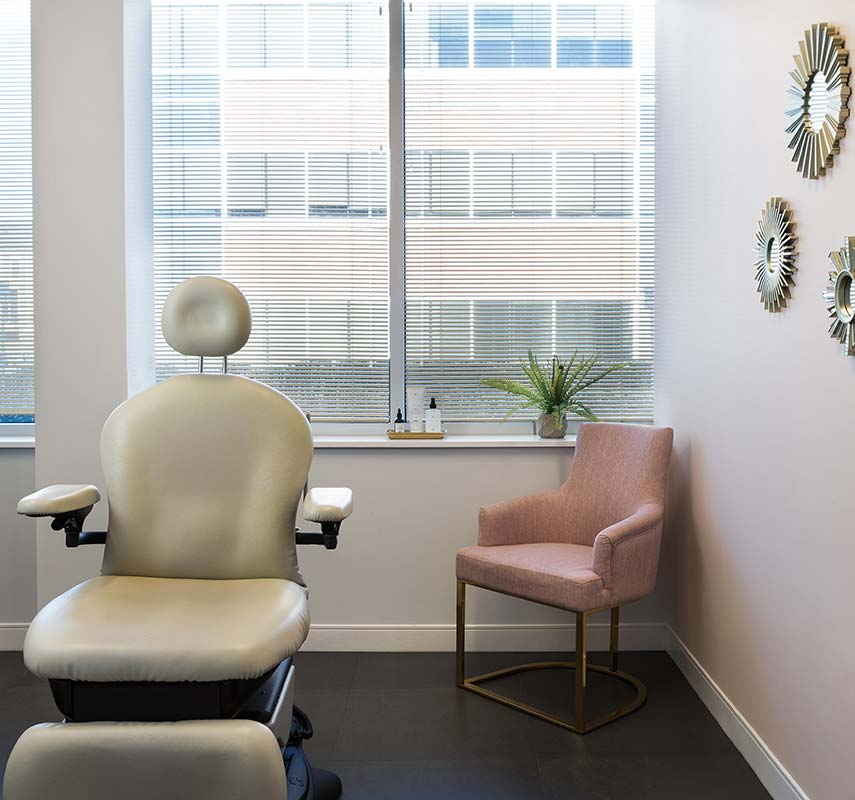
(271, 170)
(16, 216)
(529, 196)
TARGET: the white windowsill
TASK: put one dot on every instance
(17, 442)
(380, 440)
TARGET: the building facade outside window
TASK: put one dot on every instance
(524, 218)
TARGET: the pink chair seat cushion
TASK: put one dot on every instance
(556, 574)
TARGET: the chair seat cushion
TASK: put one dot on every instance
(558, 575)
(122, 628)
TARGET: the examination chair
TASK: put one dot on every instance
(173, 669)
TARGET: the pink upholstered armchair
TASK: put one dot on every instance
(591, 545)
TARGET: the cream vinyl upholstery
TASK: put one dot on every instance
(206, 316)
(328, 504)
(202, 759)
(161, 629)
(58, 499)
(204, 474)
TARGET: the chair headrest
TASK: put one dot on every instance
(206, 316)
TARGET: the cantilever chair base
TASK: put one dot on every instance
(581, 724)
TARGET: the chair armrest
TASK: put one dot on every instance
(68, 504)
(522, 520)
(629, 550)
(328, 504)
(54, 501)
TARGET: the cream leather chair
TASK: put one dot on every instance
(173, 668)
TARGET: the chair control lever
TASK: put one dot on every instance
(327, 536)
(72, 523)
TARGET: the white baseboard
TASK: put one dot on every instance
(440, 637)
(771, 772)
(512, 638)
(12, 635)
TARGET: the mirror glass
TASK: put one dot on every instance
(817, 100)
(773, 254)
(844, 297)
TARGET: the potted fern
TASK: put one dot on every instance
(555, 392)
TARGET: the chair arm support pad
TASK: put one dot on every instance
(522, 520)
(628, 547)
(328, 504)
(59, 499)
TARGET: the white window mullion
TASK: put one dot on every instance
(397, 267)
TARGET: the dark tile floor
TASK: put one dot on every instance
(393, 726)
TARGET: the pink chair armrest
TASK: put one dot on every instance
(626, 554)
(523, 520)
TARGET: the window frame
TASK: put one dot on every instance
(396, 210)
(397, 221)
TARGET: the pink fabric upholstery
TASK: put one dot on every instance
(600, 531)
(555, 574)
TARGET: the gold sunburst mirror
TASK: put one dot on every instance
(839, 296)
(775, 253)
(819, 99)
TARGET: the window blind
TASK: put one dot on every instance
(16, 216)
(270, 135)
(529, 196)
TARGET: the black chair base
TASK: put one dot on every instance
(305, 782)
(254, 699)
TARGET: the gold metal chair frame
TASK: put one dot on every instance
(581, 724)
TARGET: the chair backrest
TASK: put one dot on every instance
(616, 469)
(204, 472)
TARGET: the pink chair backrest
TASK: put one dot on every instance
(616, 469)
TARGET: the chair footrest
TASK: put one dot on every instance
(214, 759)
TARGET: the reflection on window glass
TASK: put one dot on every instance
(455, 183)
(589, 36)
(347, 185)
(594, 184)
(512, 184)
(188, 184)
(265, 35)
(267, 184)
(525, 326)
(518, 36)
(189, 124)
(449, 36)
(437, 183)
(185, 37)
(345, 35)
(513, 36)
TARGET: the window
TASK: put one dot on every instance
(17, 398)
(271, 170)
(555, 253)
(524, 215)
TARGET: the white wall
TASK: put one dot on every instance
(390, 583)
(760, 547)
(83, 206)
(18, 546)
